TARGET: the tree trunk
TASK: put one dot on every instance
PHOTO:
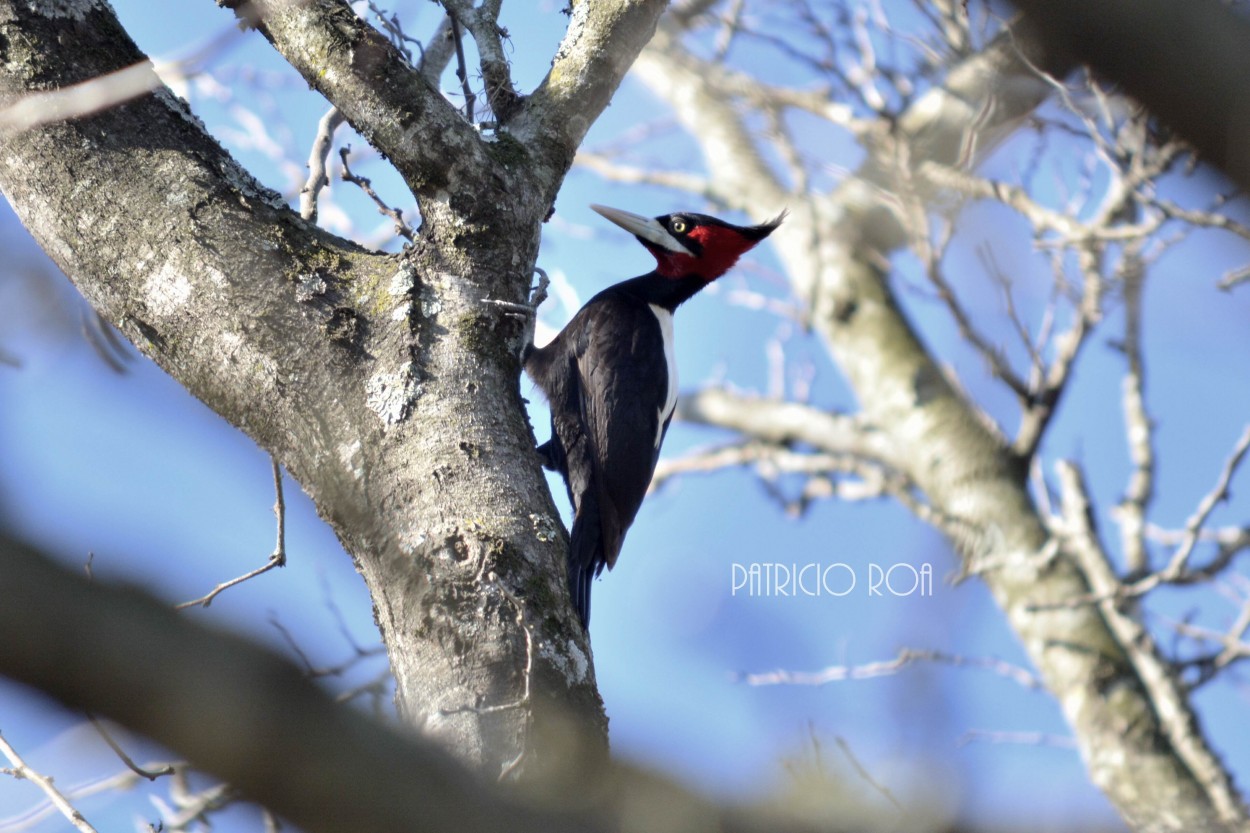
(386, 385)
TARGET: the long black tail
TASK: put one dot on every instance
(586, 557)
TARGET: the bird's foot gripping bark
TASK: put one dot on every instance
(527, 313)
(547, 454)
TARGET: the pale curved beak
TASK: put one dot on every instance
(644, 228)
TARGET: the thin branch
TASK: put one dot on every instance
(1067, 347)
(786, 422)
(111, 348)
(395, 29)
(377, 689)
(462, 71)
(991, 353)
(438, 52)
(279, 514)
(1166, 692)
(1023, 738)
(365, 184)
(1202, 219)
(276, 559)
(1232, 648)
(319, 671)
(1233, 278)
(1177, 570)
(317, 169)
(150, 774)
(730, 23)
(614, 171)
(1139, 427)
(884, 668)
(863, 773)
(1219, 493)
(985, 253)
(21, 771)
(124, 780)
(483, 23)
(190, 806)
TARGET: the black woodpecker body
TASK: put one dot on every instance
(611, 381)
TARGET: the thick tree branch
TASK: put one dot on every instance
(252, 718)
(1197, 78)
(204, 265)
(602, 41)
(786, 422)
(384, 97)
(255, 714)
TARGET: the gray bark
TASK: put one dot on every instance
(384, 384)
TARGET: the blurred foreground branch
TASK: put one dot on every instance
(1197, 76)
(252, 718)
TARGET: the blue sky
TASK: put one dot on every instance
(134, 470)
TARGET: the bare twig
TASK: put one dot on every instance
(21, 771)
(1023, 738)
(991, 353)
(608, 168)
(1177, 570)
(276, 559)
(863, 773)
(1193, 527)
(190, 806)
(395, 31)
(906, 657)
(124, 780)
(401, 227)
(461, 66)
(482, 21)
(317, 169)
(150, 774)
(105, 341)
(317, 671)
(1231, 645)
(1067, 347)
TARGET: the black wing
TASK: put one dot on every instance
(620, 379)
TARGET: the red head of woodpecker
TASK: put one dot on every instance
(690, 245)
(611, 380)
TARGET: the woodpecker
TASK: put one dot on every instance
(611, 380)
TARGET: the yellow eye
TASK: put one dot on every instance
(679, 226)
